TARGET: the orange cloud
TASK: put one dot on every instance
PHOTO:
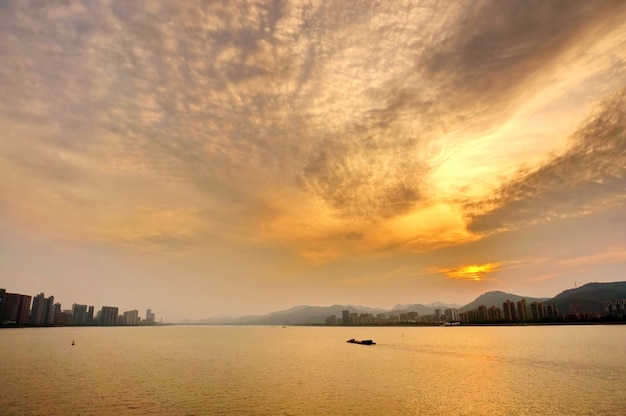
(475, 272)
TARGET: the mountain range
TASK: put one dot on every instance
(587, 298)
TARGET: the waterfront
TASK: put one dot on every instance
(197, 370)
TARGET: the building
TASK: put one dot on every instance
(108, 315)
(452, 314)
(49, 316)
(150, 316)
(130, 318)
(79, 314)
(537, 311)
(521, 310)
(38, 311)
(2, 293)
(89, 316)
(16, 308)
(495, 313)
(345, 317)
(509, 311)
(615, 308)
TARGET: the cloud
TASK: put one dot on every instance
(589, 177)
(287, 121)
(474, 272)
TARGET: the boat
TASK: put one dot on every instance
(362, 342)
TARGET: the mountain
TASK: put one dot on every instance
(589, 297)
(497, 298)
(298, 315)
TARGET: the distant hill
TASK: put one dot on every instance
(588, 298)
(298, 315)
(497, 298)
(413, 307)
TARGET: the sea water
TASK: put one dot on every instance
(249, 370)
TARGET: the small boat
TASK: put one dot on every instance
(362, 342)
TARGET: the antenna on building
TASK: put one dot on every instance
(575, 286)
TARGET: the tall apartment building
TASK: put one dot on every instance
(452, 314)
(537, 311)
(79, 314)
(108, 315)
(509, 311)
(522, 315)
(38, 311)
(149, 316)
(16, 308)
(130, 318)
(2, 293)
(89, 316)
(345, 317)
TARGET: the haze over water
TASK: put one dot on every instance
(204, 370)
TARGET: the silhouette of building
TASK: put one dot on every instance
(89, 316)
(130, 318)
(79, 314)
(108, 315)
(509, 311)
(521, 310)
(615, 308)
(494, 313)
(345, 317)
(16, 308)
(38, 311)
(150, 316)
(2, 294)
(537, 311)
(452, 314)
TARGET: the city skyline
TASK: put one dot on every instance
(232, 158)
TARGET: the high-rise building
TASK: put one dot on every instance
(495, 313)
(345, 317)
(509, 311)
(149, 316)
(537, 311)
(58, 315)
(2, 293)
(452, 314)
(16, 308)
(130, 318)
(89, 317)
(108, 315)
(79, 314)
(38, 311)
(522, 315)
(49, 316)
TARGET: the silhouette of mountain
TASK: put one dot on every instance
(496, 298)
(589, 297)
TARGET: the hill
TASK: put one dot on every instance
(497, 298)
(588, 298)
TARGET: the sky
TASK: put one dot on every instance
(224, 158)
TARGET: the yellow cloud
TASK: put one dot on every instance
(475, 272)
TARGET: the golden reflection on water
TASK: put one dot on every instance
(313, 371)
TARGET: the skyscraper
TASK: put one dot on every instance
(16, 308)
(522, 314)
(79, 314)
(2, 293)
(38, 311)
(108, 315)
(509, 311)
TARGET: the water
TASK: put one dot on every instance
(180, 370)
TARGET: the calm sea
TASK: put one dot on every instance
(202, 370)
